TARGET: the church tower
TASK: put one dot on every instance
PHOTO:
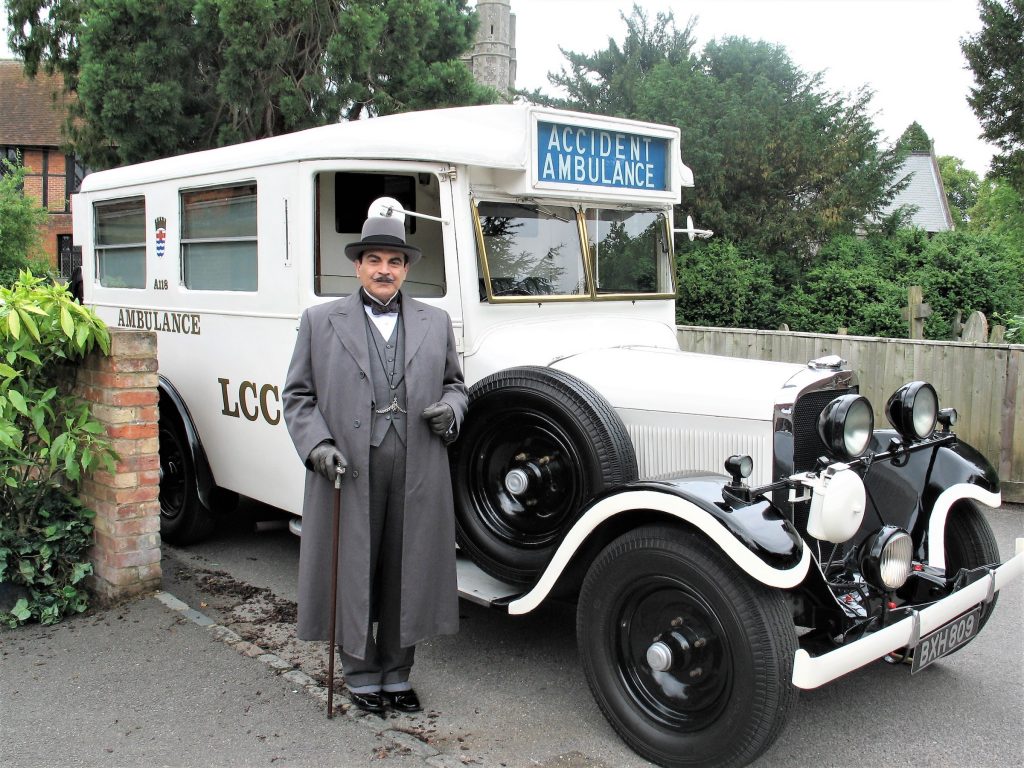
(493, 58)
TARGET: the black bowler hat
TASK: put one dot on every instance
(384, 228)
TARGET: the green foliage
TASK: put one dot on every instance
(914, 139)
(961, 185)
(48, 442)
(854, 285)
(20, 219)
(609, 82)
(996, 57)
(781, 163)
(721, 286)
(47, 555)
(999, 211)
(969, 271)
(159, 79)
(861, 283)
(1014, 327)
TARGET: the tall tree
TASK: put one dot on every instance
(961, 185)
(996, 57)
(999, 210)
(914, 139)
(157, 79)
(781, 164)
(609, 81)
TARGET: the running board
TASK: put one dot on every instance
(474, 585)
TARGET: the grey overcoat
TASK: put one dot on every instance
(328, 395)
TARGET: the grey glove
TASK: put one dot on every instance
(440, 417)
(324, 458)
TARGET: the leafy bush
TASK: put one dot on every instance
(719, 285)
(20, 221)
(1014, 327)
(861, 283)
(48, 442)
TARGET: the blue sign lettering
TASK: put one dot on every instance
(574, 154)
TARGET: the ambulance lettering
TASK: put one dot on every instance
(251, 401)
(151, 320)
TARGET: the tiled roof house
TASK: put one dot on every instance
(31, 113)
(925, 193)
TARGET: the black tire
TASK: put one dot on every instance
(564, 443)
(183, 518)
(726, 691)
(970, 543)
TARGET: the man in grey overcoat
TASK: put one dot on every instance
(375, 385)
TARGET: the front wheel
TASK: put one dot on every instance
(689, 659)
(970, 544)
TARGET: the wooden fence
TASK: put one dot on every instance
(984, 382)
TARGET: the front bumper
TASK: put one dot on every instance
(813, 671)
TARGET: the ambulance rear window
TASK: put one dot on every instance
(218, 238)
(120, 238)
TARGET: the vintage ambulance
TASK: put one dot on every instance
(590, 466)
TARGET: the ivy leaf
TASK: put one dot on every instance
(80, 571)
(27, 570)
(20, 610)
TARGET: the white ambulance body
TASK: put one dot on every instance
(220, 251)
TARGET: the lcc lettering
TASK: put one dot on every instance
(251, 401)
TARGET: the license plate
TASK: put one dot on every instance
(946, 639)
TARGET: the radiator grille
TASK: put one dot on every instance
(807, 444)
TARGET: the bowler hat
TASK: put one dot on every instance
(384, 228)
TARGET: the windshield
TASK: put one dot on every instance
(629, 250)
(531, 249)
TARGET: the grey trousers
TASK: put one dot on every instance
(385, 662)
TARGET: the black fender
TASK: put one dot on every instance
(172, 405)
(756, 536)
(913, 488)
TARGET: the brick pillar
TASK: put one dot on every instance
(122, 392)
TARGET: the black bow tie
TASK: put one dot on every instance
(381, 309)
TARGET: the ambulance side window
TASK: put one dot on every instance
(120, 238)
(218, 238)
(342, 201)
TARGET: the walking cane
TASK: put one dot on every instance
(339, 472)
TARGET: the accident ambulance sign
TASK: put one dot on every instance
(581, 155)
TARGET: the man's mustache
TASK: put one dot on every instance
(384, 279)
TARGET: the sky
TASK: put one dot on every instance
(906, 51)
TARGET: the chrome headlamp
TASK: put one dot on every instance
(913, 410)
(846, 425)
(887, 558)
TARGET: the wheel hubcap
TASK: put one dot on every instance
(673, 654)
(528, 478)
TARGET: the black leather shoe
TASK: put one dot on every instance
(368, 702)
(403, 701)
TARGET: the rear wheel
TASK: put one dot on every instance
(538, 444)
(688, 658)
(970, 543)
(183, 518)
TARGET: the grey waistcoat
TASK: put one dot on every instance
(382, 355)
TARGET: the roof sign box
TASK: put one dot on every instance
(598, 157)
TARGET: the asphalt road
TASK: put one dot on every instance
(510, 691)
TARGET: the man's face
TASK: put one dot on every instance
(381, 272)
